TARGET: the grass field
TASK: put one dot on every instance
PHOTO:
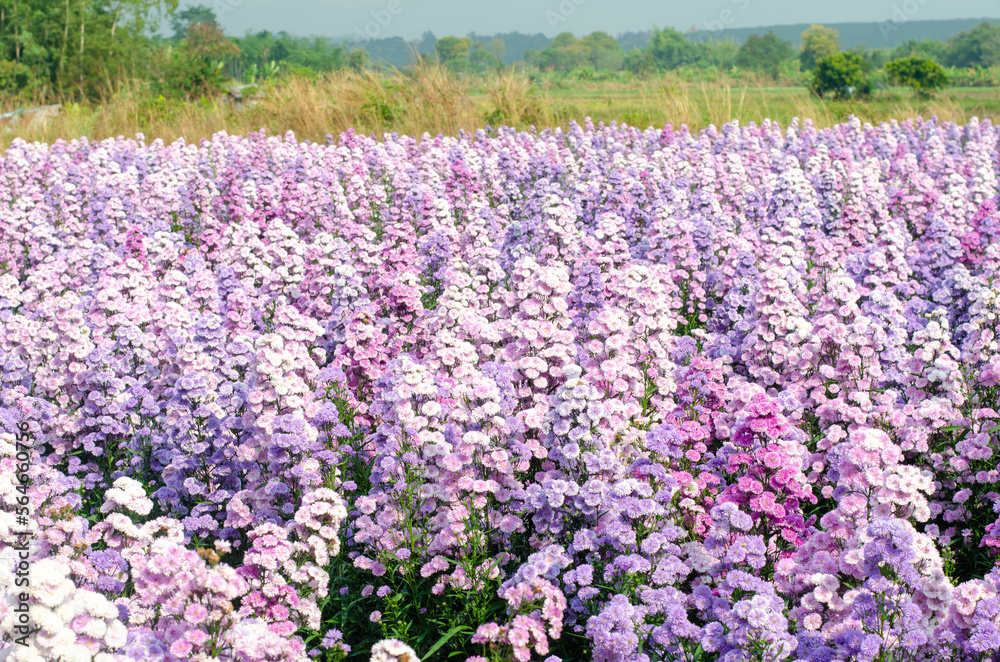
(434, 101)
(701, 104)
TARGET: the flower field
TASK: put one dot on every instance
(595, 394)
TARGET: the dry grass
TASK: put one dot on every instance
(427, 99)
(515, 103)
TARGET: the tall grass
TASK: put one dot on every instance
(513, 101)
(428, 99)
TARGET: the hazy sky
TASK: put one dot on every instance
(409, 18)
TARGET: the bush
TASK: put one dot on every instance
(765, 54)
(176, 73)
(921, 74)
(973, 77)
(842, 75)
(16, 78)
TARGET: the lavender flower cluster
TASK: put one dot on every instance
(601, 393)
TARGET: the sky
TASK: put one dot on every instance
(378, 19)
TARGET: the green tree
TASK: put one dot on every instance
(280, 50)
(933, 49)
(258, 51)
(357, 60)
(818, 42)
(554, 55)
(564, 53)
(979, 46)
(840, 74)
(603, 51)
(669, 49)
(76, 48)
(924, 76)
(498, 48)
(453, 50)
(182, 20)
(16, 78)
(206, 40)
(197, 67)
(427, 43)
(717, 54)
(764, 53)
(640, 61)
(874, 59)
(480, 59)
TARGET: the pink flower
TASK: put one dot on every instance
(749, 485)
(773, 460)
(181, 648)
(195, 614)
(485, 633)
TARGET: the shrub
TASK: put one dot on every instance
(840, 74)
(921, 74)
(16, 78)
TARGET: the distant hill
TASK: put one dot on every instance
(399, 52)
(887, 34)
(631, 40)
(515, 43)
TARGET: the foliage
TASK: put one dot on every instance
(669, 49)
(498, 47)
(17, 78)
(482, 59)
(872, 60)
(179, 73)
(840, 74)
(205, 40)
(182, 20)
(979, 46)
(453, 51)
(717, 54)
(818, 42)
(319, 54)
(974, 76)
(357, 60)
(84, 50)
(764, 53)
(75, 48)
(924, 76)
(933, 49)
(598, 51)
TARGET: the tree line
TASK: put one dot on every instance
(86, 49)
(669, 49)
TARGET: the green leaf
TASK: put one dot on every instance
(442, 641)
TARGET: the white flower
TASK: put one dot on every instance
(123, 525)
(127, 493)
(393, 650)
